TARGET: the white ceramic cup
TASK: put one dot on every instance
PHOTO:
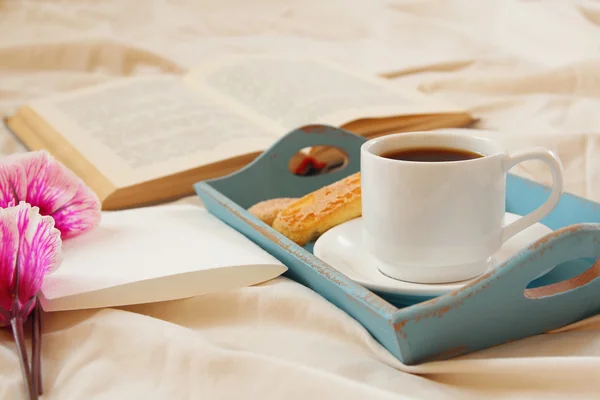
(435, 222)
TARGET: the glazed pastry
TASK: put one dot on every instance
(267, 210)
(309, 217)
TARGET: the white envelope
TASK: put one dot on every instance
(154, 254)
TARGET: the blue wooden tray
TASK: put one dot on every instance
(505, 304)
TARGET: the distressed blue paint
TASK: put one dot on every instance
(491, 311)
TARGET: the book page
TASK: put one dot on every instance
(143, 128)
(154, 254)
(297, 91)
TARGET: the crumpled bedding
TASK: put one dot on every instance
(528, 69)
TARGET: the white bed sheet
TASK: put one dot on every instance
(528, 69)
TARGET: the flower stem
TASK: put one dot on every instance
(17, 328)
(36, 357)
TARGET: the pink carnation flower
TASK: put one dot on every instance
(30, 248)
(38, 179)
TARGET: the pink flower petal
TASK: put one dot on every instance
(57, 191)
(39, 249)
(81, 214)
(13, 183)
(48, 186)
(39, 253)
(9, 245)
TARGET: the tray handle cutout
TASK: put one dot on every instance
(316, 137)
(566, 285)
(560, 248)
(269, 175)
(318, 160)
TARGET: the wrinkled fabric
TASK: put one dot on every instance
(527, 69)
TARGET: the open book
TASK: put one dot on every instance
(143, 140)
(154, 254)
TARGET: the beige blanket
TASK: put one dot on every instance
(529, 69)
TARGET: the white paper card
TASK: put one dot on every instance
(154, 254)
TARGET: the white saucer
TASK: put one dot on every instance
(341, 247)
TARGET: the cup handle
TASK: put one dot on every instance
(556, 169)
